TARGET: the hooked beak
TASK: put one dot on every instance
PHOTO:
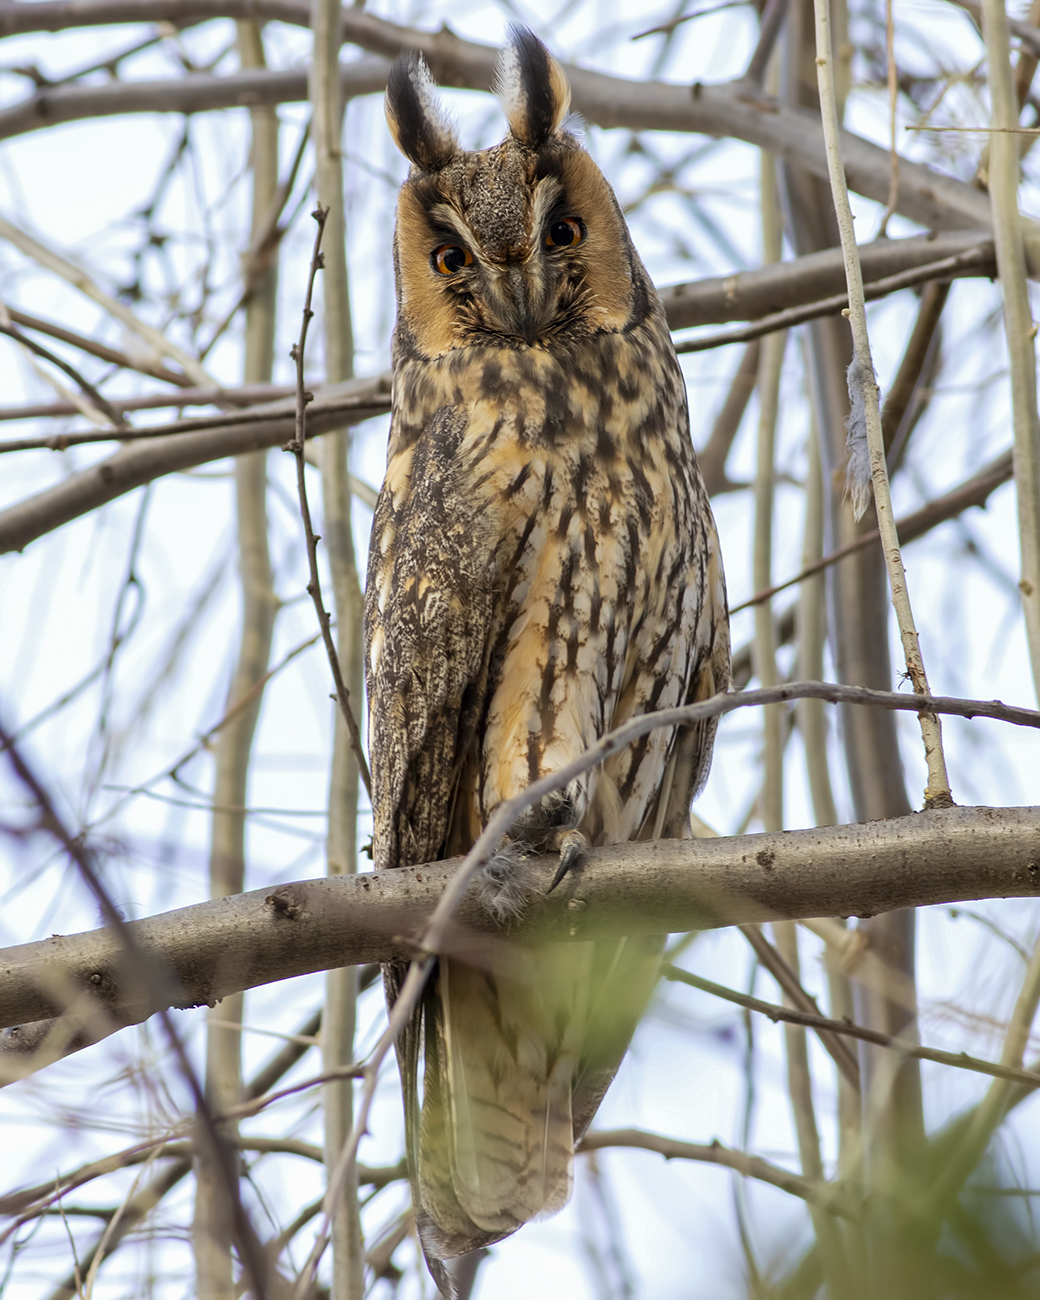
(525, 307)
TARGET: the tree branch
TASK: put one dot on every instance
(975, 492)
(819, 1193)
(794, 1016)
(215, 948)
(141, 462)
(176, 447)
(734, 108)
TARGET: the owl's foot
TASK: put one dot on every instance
(505, 882)
(572, 847)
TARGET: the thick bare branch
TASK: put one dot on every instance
(193, 93)
(731, 109)
(139, 463)
(176, 447)
(216, 948)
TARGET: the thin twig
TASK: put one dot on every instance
(823, 1194)
(866, 411)
(296, 447)
(972, 493)
(834, 305)
(957, 1060)
(101, 403)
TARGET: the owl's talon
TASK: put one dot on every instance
(505, 882)
(573, 847)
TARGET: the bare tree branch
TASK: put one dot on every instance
(215, 948)
(731, 109)
(822, 1194)
(794, 1016)
(231, 435)
(245, 395)
(975, 492)
(98, 350)
(139, 463)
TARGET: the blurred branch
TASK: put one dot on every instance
(826, 1196)
(750, 295)
(838, 303)
(101, 351)
(777, 965)
(1004, 1071)
(192, 93)
(216, 948)
(936, 201)
(227, 861)
(1029, 36)
(348, 761)
(975, 492)
(1018, 318)
(713, 455)
(897, 415)
(143, 971)
(246, 395)
(812, 634)
(141, 462)
(101, 404)
(79, 279)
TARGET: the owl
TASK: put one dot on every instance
(543, 566)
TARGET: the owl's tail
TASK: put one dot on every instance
(518, 1054)
(502, 1051)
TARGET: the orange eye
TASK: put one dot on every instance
(450, 258)
(567, 233)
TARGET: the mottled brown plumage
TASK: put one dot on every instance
(544, 565)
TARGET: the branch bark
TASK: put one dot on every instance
(734, 108)
(220, 947)
(161, 453)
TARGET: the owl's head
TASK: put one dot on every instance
(521, 245)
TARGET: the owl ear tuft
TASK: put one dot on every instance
(532, 87)
(418, 124)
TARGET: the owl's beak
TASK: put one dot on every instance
(526, 307)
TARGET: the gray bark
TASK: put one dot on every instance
(223, 946)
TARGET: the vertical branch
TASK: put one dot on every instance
(1018, 322)
(866, 412)
(858, 611)
(340, 985)
(812, 721)
(212, 1228)
(991, 1111)
(772, 358)
(893, 99)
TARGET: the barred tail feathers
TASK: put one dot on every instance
(507, 1052)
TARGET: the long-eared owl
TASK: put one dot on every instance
(544, 565)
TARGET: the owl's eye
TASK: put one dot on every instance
(566, 233)
(450, 258)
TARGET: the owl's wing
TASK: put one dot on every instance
(429, 629)
(428, 636)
